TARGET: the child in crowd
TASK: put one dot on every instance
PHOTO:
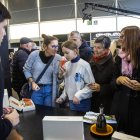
(77, 76)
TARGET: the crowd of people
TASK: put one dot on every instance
(91, 77)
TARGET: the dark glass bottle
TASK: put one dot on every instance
(101, 121)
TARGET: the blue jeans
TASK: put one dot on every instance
(43, 96)
(84, 105)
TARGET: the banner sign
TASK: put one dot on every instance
(112, 35)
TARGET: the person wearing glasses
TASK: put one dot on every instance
(126, 82)
(102, 68)
(46, 90)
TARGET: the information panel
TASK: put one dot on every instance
(112, 35)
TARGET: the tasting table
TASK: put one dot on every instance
(30, 126)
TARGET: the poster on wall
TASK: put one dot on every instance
(112, 35)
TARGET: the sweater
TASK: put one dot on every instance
(29, 72)
(77, 77)
(34, 66)
(44, 58)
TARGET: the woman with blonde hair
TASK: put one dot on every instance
(126, 82)
(46, 90)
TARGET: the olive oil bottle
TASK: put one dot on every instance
(101, 121)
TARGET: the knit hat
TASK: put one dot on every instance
(25, 40)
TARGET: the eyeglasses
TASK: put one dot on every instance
(54, 47)
(121, 36)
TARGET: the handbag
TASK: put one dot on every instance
(25, 92)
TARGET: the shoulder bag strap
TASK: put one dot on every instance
(39, 77)
(49, 62)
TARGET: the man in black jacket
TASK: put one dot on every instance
(84, 50)
(19, 60)
(7, 120)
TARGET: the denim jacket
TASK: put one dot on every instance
(28, 71)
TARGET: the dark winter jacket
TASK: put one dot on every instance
(19, 60)
(126, 102)
(102, 72)
(85, 51)
(5, 124)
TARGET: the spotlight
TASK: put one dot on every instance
(86, 5)
(86, 17)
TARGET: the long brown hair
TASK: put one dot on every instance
(47, 40)
(132, 43)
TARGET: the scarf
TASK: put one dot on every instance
(96, 59)
(127, 68)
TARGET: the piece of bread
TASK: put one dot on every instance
(62, 62)
(15, 103)
(26, 99)
(28, 103)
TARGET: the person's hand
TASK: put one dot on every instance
(13, 117)
(14, 136)
(59, 100)
(125, 81)
(35, 86)
(136, 85)
(94, 87)
(62, 71)
(6, 110)
(75, 100)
